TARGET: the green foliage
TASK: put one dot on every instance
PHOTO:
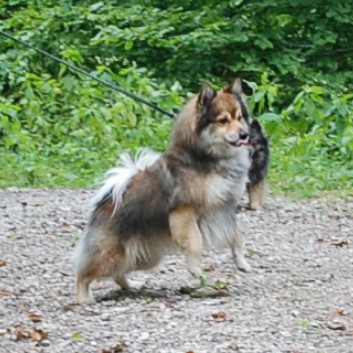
(296, 42)
(312, 139)
(69, 125)
(58, 127)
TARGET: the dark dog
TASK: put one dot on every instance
(258, 171)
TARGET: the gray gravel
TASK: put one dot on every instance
(298, 298)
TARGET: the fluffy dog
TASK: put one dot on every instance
(185, 198)
(259, 166)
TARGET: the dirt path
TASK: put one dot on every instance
(298, 299)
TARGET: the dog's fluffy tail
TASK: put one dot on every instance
(117, 179)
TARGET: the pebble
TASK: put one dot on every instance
(295, 313)
(336, 325)
(105, 317)
(144, 336)
(45, 343)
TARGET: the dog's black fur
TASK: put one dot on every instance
(260, 151)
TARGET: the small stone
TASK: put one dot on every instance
(45, 343)
(144, 336)
(105, 317)
(336, 325)
(295, 313)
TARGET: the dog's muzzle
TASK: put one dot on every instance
(239, 140)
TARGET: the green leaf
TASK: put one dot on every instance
(318, 90)
(220, 285)
(128, 45)
(96, 6)
(270, 117)
(310, 107)
(202, 281)
(340, 126)
(258, 96)
(70, 176)
(68, 82)
(131, 118)
(76, 337)
(263, 43)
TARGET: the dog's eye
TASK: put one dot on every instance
(223, 121)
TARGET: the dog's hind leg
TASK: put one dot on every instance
(87, 269)
(237, 248)
(186, 233)
(138, 257)
(94, 261)
(82, 290)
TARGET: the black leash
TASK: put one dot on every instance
(104, 82)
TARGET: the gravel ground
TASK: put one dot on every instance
(298, 298)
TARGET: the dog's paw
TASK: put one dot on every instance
(137, 284)
(244, 266)
(196, 272)
(85, 300)
(255, 207)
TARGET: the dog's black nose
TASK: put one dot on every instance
(243, 135)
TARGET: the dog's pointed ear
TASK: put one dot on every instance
(206, 96)
(256, 126)
(235, 87)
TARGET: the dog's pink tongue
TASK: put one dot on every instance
(243, 142)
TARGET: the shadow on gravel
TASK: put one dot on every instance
(163, 293)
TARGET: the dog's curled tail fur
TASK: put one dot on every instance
(114, 185)
(117, 179)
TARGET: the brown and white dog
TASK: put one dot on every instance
(185, 198)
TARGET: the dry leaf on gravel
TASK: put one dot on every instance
(340, 243)
(337, 313)
(22, 332)
(35, 317)
(220, 316)
(2, 263)
(4, 293)
(209, 268)
(39, 335)
(36, 335)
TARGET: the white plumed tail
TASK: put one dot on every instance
(117, 179)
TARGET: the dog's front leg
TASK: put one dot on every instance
(256, 195)
(237, 247)
(186, 233)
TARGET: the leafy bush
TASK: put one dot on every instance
(65, 131)
(312, 139)
(58, 127)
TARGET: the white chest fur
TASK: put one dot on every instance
(218, 190)
(230, 184)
